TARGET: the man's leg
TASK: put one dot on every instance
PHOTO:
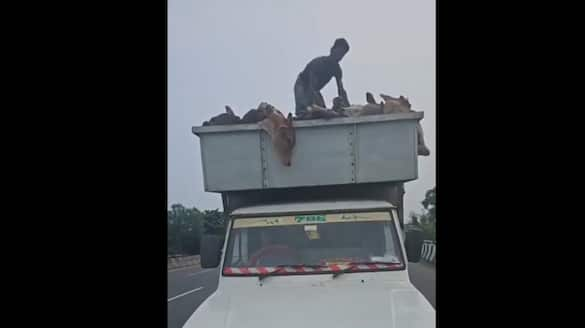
(303, 99)
(319, 101)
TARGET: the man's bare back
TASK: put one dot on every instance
(317, 74)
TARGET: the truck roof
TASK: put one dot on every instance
(350, 205)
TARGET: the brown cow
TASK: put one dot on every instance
(390, 105)
(224, 118)
(282, 134)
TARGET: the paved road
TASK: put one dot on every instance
(422, 275)
(189, 287)
(187, 282)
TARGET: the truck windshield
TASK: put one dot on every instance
(308, 244)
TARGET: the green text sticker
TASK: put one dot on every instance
(310, 218)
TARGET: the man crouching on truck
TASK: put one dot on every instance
(317, 74)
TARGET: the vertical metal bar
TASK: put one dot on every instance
(263, 161)
(356, 158)
(203, 166)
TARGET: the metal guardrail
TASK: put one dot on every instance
(174, 262)
(429, 251)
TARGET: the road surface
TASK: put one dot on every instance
(189, 287)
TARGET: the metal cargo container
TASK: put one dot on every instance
(340, 151)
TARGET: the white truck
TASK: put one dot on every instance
(319, 243)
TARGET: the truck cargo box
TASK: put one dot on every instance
(340, 151)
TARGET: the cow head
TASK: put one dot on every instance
(282, 133)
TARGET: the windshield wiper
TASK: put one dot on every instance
(281, 267)
(353, 265)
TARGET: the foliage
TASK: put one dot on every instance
(186, 225)
(427, 220)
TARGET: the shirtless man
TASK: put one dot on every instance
(317, 74)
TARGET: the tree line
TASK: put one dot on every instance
(185, 226)
(427, 220)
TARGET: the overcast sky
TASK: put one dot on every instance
(244, 52)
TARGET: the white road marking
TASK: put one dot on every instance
(185, 293)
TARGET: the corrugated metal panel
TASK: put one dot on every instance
(322, 156)
(380, 148)
(386, 151)
(231, 161)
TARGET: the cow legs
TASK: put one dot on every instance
(422, 149)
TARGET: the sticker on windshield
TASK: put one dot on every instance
(310, 219)
(264, 222)
(311, 231)
(371, 216)
(312, 227)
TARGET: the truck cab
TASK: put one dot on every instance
(338, 264)
(320, 243)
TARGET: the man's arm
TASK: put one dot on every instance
(340, 90)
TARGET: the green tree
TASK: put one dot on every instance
(184, 226)
(214, 222)
(427, 219)
(414, 219)
(429, 203)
